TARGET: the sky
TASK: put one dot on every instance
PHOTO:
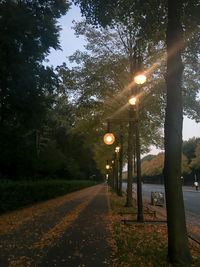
(70, 43)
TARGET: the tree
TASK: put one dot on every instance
(148, 157)
(189, 147)
(28, 31)
(64, 153)
(178, 249)
(101, 92)
(196, 160)
(154, 166)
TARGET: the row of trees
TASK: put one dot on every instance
(170, 26)
(152, 166)
(99, 84)
(50, 120)
(37, 121)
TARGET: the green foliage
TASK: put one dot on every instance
(189, 147)
(103, 91)
(196, 160)
(14, 195)
(141, 17)
(36, 120)
(27, 32)
(148, 157)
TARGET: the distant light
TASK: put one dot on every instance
(107, 166)
(117, 149)
(132, 100)
(109, 139)
(140, 78)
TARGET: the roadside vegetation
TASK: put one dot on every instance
(139, 244)
(15, 195)
(152, 165)
(38, 135)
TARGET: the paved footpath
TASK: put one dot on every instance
(67, 231)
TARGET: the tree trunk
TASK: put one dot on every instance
(178, 248)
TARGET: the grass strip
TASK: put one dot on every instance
(139, 244)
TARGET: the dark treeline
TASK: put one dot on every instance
(37, 122)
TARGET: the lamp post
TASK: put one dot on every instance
(120, 162)
(134, 101)
(109, 139)
(113, 174)
(107, 172)
(117, 149)
(107, 166)
(140, 217)
(129, 197)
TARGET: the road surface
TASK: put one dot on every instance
(191, 201)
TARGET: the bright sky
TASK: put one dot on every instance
(70, 43)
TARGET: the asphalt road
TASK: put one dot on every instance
(191, 201)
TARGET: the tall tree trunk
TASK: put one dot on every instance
(178, 248)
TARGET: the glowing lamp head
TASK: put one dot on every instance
(132, 100)
(140, 78)
(117, 149)
(109, 139)
(107, 166)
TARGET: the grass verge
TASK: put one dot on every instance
(14, 195)
(139, 244)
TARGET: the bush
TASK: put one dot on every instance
(14, 195)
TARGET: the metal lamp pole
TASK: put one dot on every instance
(117, 149)
(129, 198)
(140, 216)
(120, 161)
(139, 79)
(113, 174)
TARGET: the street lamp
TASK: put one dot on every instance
(109, 137)
(107, 171)
(132, 100)
(113, 177)
(107, 166)
(140, 78)
(117, 149)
